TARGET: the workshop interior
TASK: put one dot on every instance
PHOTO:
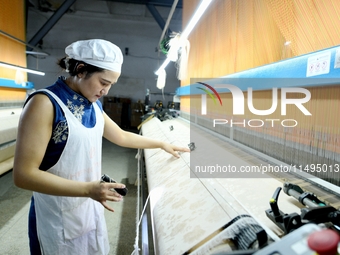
(251, 87)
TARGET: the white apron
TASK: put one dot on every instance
(74, 225)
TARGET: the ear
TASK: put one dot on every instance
(80, 71)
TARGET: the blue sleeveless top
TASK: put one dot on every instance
(81, 108)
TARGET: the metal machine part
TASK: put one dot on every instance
(317, 211)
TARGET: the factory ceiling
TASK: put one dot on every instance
(52, 5)
(157, 9)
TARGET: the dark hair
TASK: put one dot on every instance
(71, 66)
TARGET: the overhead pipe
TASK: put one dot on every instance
(168, 21)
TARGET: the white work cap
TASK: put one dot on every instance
(97, 52)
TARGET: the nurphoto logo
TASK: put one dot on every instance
(238, 104)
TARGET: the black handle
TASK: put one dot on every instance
(106, 178)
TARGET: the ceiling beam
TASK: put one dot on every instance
(152, 9)
(51, 22)
(165, 3)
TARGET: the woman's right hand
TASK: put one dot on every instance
(104, 191)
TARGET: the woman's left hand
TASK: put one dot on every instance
(173, 149)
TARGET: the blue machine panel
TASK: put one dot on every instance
(11, 84)
(319, 68)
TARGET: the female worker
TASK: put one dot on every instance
(58, 153)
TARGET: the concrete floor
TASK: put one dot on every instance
(119, 163)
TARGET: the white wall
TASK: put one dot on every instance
(126, 25)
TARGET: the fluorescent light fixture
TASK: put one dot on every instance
(192, 23)
(165, 63)
(21, 68)
(198, 14)
(36, 53)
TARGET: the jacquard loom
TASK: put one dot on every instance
(11, 108)
(195, 210)
(9, 119)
